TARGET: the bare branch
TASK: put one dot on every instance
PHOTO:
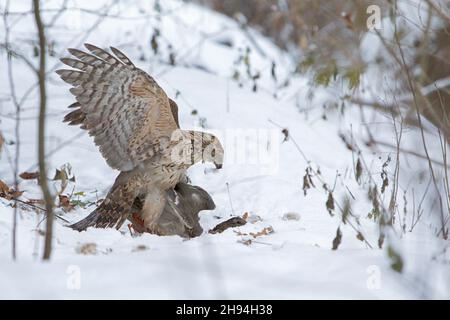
(41, 132)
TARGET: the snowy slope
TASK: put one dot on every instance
(265, 180)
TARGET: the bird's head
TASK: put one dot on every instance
(212, 150)
(190, 147)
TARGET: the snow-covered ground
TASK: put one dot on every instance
(262, 175)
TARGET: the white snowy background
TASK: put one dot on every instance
(294, 261)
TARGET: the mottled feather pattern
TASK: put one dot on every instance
(116, 208)
(120, 104)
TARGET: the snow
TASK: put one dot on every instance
(293, 262)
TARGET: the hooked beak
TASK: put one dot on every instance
(218, 165)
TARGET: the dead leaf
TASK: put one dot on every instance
(29, 175)
(64, 174)
(7, 192)
(60, 175)
(64, 202)
(87, 248)
(15, 194)
(330, 203)
(360, 236)
(358, 170)
(347, 18)
(230, 223)
(263, 232)
(285, 132)
(381, 241)
(3, 187)
(338, 239)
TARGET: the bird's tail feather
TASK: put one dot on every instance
(113, 211)
(87, 222)
(100, 218)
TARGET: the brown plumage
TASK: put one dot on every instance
(135, 125)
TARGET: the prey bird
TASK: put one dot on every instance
(135, 125)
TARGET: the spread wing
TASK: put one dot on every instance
(123, 108)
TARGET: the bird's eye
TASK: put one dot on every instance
(213, 152)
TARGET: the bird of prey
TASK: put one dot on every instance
(135, 125)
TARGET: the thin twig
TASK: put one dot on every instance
(438, 10)
(322, 181)
(229, 198)
(411, 152)
(419, 119)
(39, 208)
(17, 126)
(41, 131)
